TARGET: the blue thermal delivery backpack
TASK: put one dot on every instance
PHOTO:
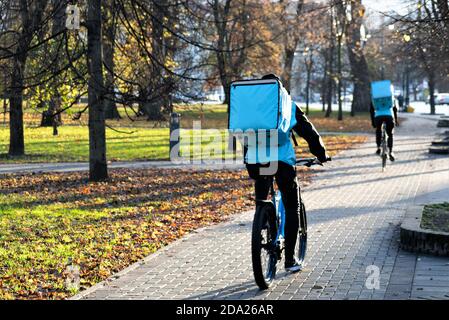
(258, 109)
(382, 95)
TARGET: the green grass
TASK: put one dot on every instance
(39, 241)
(51, 229)
(436, 217)
(71, 144)
(142, 139)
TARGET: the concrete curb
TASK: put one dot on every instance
(439, 150)
(443, 123)
(415, 239)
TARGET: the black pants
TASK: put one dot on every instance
(288, 185)
(390, 129)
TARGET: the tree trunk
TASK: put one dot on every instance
(229, 63)
(110, 107)
(16, 137)
(307, 91)
(330, 81)
(150, 106)
(359, 67)
(173, 44)
(340, 106)
(443, 8)
(98, 169)
(30, 19)
(51, 117)
(220, 21)
(155, 104)
(152, 109)
(226, 88)
(323, 84)
(288, 67)
(309, 68)
(415, 91)
(290, 40)
(361, 98)
(431, 77)
(330, 76)
(407, 87)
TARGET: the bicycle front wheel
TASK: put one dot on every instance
(384, 147)
(263, 246)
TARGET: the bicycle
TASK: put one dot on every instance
(267, 241)
(384, 148)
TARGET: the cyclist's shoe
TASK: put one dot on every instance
(292, 266)
(391, 156)
(378, 151)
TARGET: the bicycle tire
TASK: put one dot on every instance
(301, 242)
(264, 219)
(384, 148)
(384, 162)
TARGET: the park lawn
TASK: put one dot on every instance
(361, 122)
(211, 116)
(72, 144)
(139, 139)
(126, 140)
(127, 144)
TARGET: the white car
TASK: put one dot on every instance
(440, 98)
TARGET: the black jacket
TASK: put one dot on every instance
(305, 129)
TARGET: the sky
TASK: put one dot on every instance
(386, 5)
(375, 8)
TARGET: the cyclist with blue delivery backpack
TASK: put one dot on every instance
(286, 173)
(383, 109)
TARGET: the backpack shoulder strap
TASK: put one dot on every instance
(294, 139)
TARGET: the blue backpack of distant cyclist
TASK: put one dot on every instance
(382, 96)
(259, 109)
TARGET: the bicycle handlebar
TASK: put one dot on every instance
(308, 162)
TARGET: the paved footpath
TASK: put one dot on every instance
(354, 213)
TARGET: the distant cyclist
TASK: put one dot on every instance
(389, 115)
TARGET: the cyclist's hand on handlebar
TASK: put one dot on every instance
(324, 159)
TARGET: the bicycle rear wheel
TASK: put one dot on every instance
(301, 242)
(263, 246)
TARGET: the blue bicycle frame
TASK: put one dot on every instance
(280, 215)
